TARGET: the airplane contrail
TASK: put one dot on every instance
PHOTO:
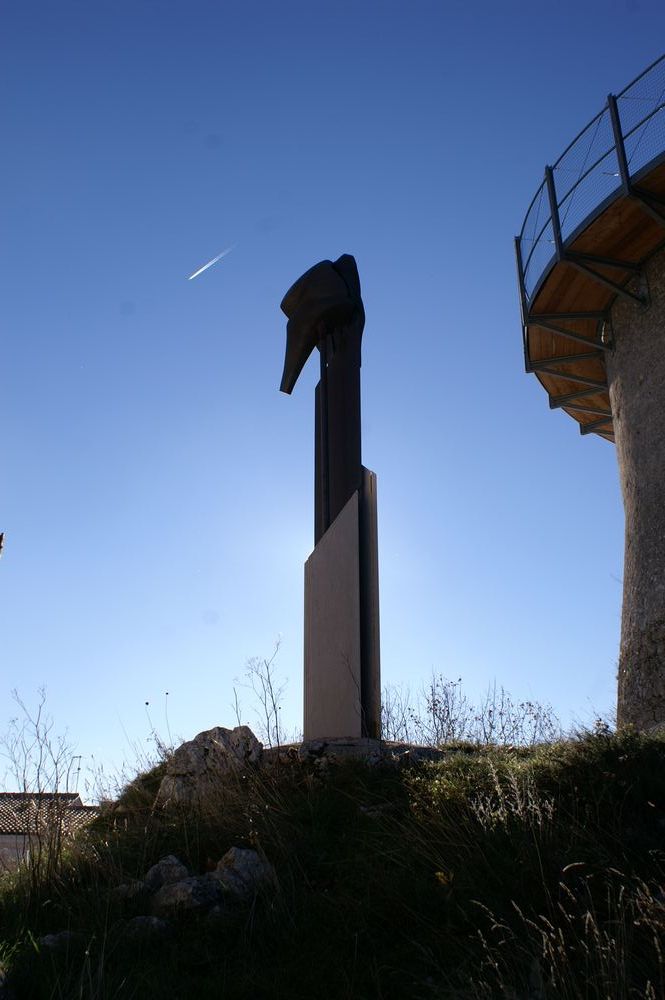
(211, 262)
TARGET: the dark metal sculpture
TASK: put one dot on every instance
(325, 311)
(342, 661)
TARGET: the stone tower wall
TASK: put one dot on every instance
(636, 376)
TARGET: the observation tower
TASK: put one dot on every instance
(591, 270)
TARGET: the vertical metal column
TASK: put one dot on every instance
(324, 444)
(618, 144)
(554, 212)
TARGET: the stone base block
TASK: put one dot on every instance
(332, 631)
(342, 663)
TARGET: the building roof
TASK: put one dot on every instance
(23, 813)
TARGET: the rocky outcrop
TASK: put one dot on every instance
(169, 891)
(196, 767)
(6, 991)
(62, 941)
(243, 872)
(195, 772)
(238, 877)
(165, 872)
(195, 894)
(131, 894)
(146, 930)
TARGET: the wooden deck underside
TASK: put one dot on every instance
(626, 232)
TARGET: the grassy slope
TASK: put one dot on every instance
(498, 872)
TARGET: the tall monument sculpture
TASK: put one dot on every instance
(591, 270)
(342, 663)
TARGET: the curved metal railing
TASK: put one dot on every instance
(587, 176)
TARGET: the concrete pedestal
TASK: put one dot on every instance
(342, 663)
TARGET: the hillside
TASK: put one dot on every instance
(493, 872)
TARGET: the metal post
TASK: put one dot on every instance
(554, 213)
(571, 397)
(524, 308)
(323, 430)
(619, 144)
(645, 199)
(595, 424)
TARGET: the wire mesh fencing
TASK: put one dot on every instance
(587, 174)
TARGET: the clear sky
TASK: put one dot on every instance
(156, 487)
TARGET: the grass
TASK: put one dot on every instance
(498, 872)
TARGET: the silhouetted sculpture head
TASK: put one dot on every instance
(321, 301)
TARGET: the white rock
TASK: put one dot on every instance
(62, 941)
(144, 929)
(129, 890)
(198, 765)
(188, 896)
(243, 871)
(166, 871)
(6, 992)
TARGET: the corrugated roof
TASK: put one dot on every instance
(23, 813)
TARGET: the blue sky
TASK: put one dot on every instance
(156, 487)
